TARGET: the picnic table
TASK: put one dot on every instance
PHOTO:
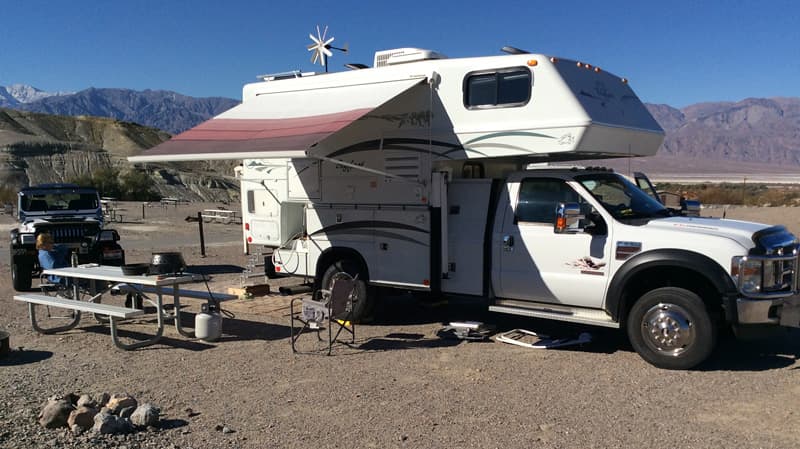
(219, 216)
(89, 301)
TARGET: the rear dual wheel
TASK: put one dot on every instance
(363, 302)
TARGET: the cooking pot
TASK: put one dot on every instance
(167, 263)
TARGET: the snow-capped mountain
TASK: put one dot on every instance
(16, 94)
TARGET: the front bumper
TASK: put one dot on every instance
(779, 311)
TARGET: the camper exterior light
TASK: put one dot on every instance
(532, 63)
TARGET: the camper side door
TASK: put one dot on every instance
(535, 263)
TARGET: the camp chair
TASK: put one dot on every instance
(326, 308)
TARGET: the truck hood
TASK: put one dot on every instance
(32, 223)
(740, 231)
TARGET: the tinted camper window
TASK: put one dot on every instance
(504, 88)
(251, 201)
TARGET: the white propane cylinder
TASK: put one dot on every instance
(208, 323)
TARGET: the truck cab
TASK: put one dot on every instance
(588, 246)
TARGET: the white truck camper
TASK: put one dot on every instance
(416, 174)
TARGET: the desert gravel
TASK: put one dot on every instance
(399, 386)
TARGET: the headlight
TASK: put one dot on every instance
(747, 273)
(28, 239)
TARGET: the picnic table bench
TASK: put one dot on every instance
(114, 313)
(157, 284)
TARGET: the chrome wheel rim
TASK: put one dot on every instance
(668, 329)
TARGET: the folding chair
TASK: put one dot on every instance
(326, 308)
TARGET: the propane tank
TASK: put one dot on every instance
(208, 323)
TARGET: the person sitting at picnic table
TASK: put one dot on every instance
(51, 256)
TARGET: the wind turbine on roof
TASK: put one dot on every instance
(322, 47)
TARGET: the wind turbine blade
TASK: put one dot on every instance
(325, 32)
(313, 38)
(326, 51)
(314, 57)
(328, 42)
(318, 35)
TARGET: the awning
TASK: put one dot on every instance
(278, 124)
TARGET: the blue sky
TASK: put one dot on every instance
(675, 52)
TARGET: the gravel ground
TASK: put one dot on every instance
(398, 386)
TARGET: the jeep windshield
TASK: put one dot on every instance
(621, 198)
(57, 200)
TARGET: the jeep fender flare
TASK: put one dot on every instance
(703, 265)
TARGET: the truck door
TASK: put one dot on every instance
(535, 263)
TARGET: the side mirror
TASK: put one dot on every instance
(568, 217)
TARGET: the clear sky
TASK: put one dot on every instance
(675, 52)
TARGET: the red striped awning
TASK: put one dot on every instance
(281, 124)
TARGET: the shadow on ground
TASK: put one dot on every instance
(214, 269)
(24, 357)
(778, 351)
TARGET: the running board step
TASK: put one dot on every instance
(579, 315)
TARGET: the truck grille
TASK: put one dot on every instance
(66, 233)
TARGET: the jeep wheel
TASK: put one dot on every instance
(21, 275)
(671, 328)
(362, 302)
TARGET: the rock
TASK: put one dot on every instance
(76, 430)
(105, 423)
(86, 401)
(55, 413)
(146, 415)
(227, 429)
(83, 417)
(126, 412)
(121, 401)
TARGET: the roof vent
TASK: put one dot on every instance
(403, 55)
(284, 75)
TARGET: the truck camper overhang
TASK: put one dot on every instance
(280, 124)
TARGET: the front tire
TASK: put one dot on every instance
(21, 275)
(671, 328)
(363, 303)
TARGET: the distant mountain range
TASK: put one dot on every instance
(755, 134)
(165, 110)
(752, 135)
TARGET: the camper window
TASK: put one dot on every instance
(499, 88)
(251, 201)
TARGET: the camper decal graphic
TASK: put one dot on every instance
(588, 265)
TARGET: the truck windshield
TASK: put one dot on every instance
(55, 200)
(621, 198)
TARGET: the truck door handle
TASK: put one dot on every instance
(508, 242)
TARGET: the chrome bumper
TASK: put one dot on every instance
(778, 311)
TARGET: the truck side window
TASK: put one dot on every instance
(539, 197)
(499, 88)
